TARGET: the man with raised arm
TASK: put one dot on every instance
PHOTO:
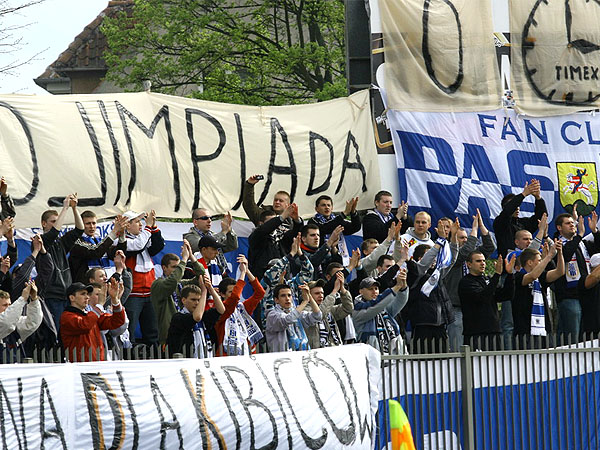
(378, 220)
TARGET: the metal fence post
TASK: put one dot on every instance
(466, 364)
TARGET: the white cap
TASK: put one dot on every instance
(595, 260)
(133, 215)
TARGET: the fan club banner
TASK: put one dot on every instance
(451, 164)
(319, 399)
(147, 151)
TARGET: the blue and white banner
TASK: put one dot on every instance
(451, 164)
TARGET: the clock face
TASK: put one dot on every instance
(560, 49)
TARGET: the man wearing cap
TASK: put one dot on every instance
(80, 330)
(326, 333)
(374, 313)
(209, 249)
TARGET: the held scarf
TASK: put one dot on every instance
(342, 246)
(572, 272)
(444, 259)
(240, 328)
(143, 260)
(328, 332)
(296, 335)
(538, 319)
(202, 343)
(386, 331)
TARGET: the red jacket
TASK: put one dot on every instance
(80, 330)
(230, 304)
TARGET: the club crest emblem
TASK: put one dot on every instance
(578, 185)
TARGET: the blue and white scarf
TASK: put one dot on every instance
(572, 272)
(342, 246)
(240, 328)
(444, 259)
(538, 309)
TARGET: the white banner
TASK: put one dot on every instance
(450, 164)
(150, 151)
(320, 399)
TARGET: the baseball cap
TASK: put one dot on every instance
(316, 283)
(209, 241)
(76, 287)
(133, 215)
(368, 282)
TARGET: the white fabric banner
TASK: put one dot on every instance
(319, 399)
(450, 164)
(147, 151)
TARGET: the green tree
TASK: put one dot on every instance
(237, 51)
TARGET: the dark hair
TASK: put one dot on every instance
(332, 266)
(195, 212)
(49, 213)
(382, 259)
(279, 288)
(507, 198)
(91, 273)
(307, 227)
(87, 214)
(366, 243)
(323, 197)
(527, 255)
(4, 294)
(419, 251)
(190, 289)
(560, 219)
(474, 252)
(225, 283)
(382, 194)
(266, 213)
(96, 285)
(168, 258)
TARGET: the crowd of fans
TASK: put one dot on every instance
(407, 284)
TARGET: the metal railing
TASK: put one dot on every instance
(516, 399)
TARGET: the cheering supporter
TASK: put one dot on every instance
(326, 333)
(328, 222)
(320, 257)
(89, 251)
(345, 325)
(589, 297)
(166, 291)
(430, 308)
(80, 326)
(7, 229)
(190, 328)
(479, 296)
(374, 313)
(237, 332)
(419, 234)
(285, 329)
(466, 245)
(226, 237)
(143, 242)
(576, 254)
(58, 247)
(14, 327)
(281, 201)
(531, 311)
(209, 251)
(272, 237)
(378, 220)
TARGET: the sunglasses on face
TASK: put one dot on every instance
(203, 218)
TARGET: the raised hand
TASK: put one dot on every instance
(243, 263)
(580, 226)
(3, 186)
(403, 253)
(339, 281)
(113, 290)
(185, 251)
(593, 222)
(120, 223)
(287, 212)
(348, 208)
(499, 265)
(226, 223)
(509, 263)
(299, 246)
(27, 289)
(119, 261)
(401, 279)
(253, 179)
(33, 292)
(402, 210)
(5, 265)
(354, 260)
(543, 226)
(354, 204)
(294, 214)
(151, 221)
(7, 226)
(73, 200)
(334, 238)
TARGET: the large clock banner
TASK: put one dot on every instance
(555, 55)
(451, 164)
(440, 55)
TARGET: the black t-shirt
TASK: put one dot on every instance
(181, 329)
(522, 304)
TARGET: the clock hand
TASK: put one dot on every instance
(584, 46)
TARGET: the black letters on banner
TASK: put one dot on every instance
(35, 179)
(281, 170)
(4, 420)
(149, 132)
(204, 420)
(310, 442)
(313, 164)
(115, 148)
(136, 428)
(91, 382)
(240, 134)
(22, 411)
(365, 424)
(236, 423)
(92, 201)
(189, 112)
(355, 165)
(164, 425)
(249, 401)
(53, 432)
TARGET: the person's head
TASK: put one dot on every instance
(476, 263)
(368, 245)
(462, 236)
(226, 287)
(191, 296)
(202, 219)
(523, 239)
(595, 261)
(324, 205)
(316, 290)
(49, 218)
(384, 263)
(283, 296)
(96, 275)
(565, 225)
(507, 198)
(168, 263)
(136, 222)
(420, 251)
(281, 201)
(4, 301)
(384, 202)
(265, 216)
(209, 247)
(332, 269)
(444, 224)
(89, 222)
(79, 295)
(369, 288)
(422, 223)
(310, 235)
(95, 294)
(529, 259)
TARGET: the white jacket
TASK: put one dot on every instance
(12, 319)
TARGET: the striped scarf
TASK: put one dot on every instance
(538, 318)
(572, 271)
(444, 259)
